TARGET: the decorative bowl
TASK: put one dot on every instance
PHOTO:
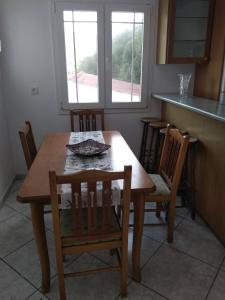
(88, 148)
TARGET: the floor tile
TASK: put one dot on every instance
(6, 212)
(103, 285)
(13, 286)
(218, 290)
(197, 219)
(181, 211)
(158, 233)
(11, 200)
(199, 241)
(139, 292)
(26, 261)
(37, 296)
(184, 270)
(148, 248)
(14, 233)
(178, 276)
(223, 266)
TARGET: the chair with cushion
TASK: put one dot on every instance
(168, 177)
(28, 144)
(87, 119)
(187, 183)
(90, 223)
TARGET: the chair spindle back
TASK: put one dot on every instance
(88, 119)
(173, 156)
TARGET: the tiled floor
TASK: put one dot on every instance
(193, 267)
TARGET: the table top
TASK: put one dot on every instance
(52, 156)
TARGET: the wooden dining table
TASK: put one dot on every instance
(35, 191)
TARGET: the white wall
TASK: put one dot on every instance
(28, 61)
(6, 162)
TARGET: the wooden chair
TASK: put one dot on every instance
(28, 144)
(90, 227)
(88, 119)
(168, 178)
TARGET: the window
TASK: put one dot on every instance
(101, 54)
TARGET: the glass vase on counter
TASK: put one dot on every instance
(184, 81)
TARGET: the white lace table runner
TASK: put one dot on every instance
(76, 163)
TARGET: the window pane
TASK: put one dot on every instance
(122, 17)
(70, 62)
(67, 16)
(139, 17)
(127, 49)
(81, 58)
(127, 17)
(82, 16)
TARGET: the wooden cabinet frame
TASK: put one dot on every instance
(166, 32)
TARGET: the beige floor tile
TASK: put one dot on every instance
(148, 248)
(199, 241)
(6, 212)
(104, 285)
(218, 289)
(37, 296)
(158, 233)
(178, 276)
(26, 261)
(14, 232)
(13, 286)
(139, 292)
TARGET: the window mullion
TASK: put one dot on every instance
(75, 56)
(132, 62)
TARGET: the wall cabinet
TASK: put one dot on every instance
(208, 77)
(184, 31)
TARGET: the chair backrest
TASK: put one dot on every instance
(28, 144)
(88, 119)
(173, 157)
(101, 219)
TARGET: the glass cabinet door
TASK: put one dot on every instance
(191, 24)
(184, 31)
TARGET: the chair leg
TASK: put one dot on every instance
(171, 219)
(62, 291)
(158, 209)
(60, 270)
(124, 271)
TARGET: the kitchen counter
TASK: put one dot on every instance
(210, 108)
(204, 119)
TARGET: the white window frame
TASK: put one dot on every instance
(104, 9)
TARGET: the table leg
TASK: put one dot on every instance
(37, 213)
(137, 236)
